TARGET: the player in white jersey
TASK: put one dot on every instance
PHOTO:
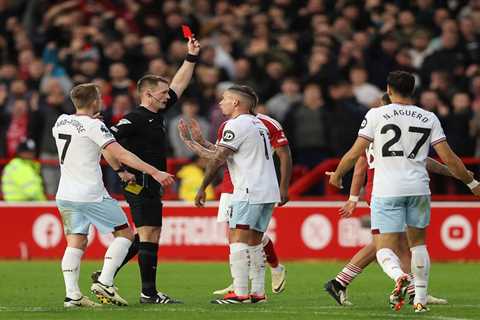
(246, 149)
(402, 134)
(82, 198)
(337, 287)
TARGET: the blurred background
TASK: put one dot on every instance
(317, 65)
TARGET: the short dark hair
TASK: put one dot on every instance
(83, 95)
(150, 81)
(246, 92)
(401, 82)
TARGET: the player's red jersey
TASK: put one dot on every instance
(277, 139)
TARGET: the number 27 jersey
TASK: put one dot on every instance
(401, 136)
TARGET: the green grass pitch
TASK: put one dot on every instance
(34, 290)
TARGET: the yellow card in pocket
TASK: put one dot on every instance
(133, 188)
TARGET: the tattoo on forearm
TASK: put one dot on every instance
(210, 172)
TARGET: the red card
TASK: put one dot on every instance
(187, 33)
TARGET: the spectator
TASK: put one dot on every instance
(365, 93)
(344, 117)
(46, 44)
(279, 105)
(21, 179)
(191, 177)
(306, 127)
(16, 126)
(419, 47)
(457, 125)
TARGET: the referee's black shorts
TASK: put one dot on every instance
(146, 209)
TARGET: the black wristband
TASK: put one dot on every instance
(121, 169)
(192, 58)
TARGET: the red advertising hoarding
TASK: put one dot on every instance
(301, 230)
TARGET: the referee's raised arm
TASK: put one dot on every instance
(184, 74)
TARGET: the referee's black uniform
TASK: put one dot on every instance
(144, 133)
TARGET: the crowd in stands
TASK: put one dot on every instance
(317, 65)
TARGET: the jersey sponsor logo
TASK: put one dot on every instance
(150, 120)
(228, 135)
(364, 123)
(123, 121)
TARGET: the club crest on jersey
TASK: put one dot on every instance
(364, 123)
(106, 132)
(228, 135)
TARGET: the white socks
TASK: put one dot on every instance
(71, 272)
(239, 267)
(116, 253)
(390, 263)
(421, 271)
(257, 269)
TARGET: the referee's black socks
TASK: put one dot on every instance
(132, 252)
(147, 260)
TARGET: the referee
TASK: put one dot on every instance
(144, 133)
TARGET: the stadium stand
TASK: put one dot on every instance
(320, 64)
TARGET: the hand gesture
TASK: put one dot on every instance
(200, 198)
(184, 131)
(347, 209)
(195, 131)
(126, 176)
(283, 196)
(164, 178)
(334, 180)
(193, 46)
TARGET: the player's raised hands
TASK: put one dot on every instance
(164, 178)
(195, 131)
(347, 209)
(334, 180)
(184, 131)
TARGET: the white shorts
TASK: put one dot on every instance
(107, 216)
(224, 206)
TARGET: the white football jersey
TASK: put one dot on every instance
(80, 140)
(251, 166)
(402, 135)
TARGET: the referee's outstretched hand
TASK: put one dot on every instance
(164, 178)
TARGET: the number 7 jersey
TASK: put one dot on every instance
(401, 136)
(80, 140)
